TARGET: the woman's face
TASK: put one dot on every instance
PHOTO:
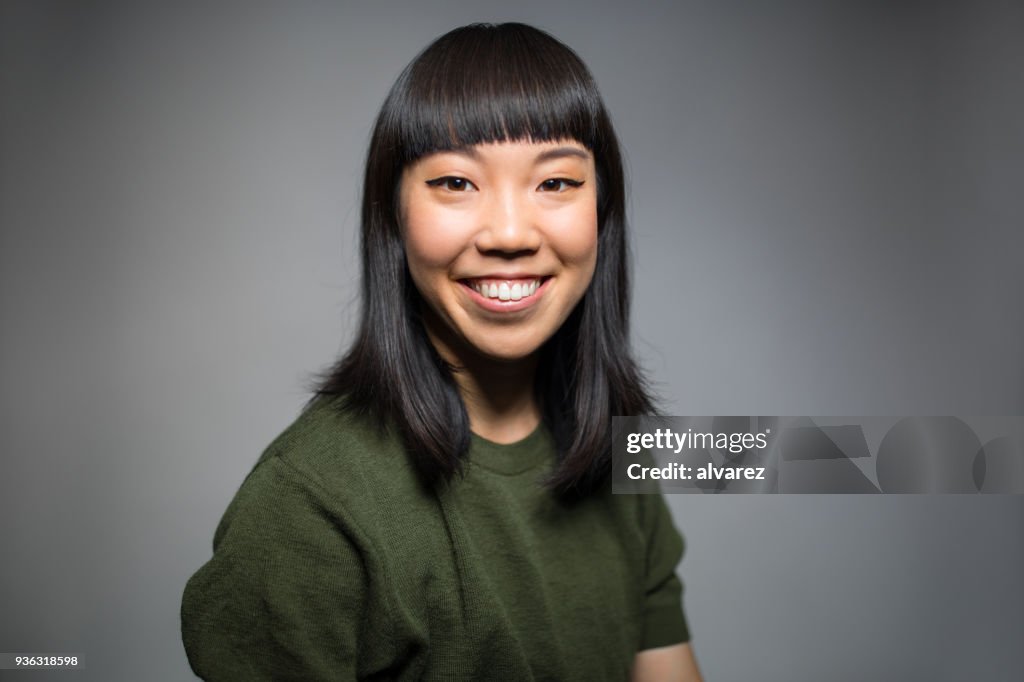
(501, 242)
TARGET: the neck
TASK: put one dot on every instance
(499, 398)
(498, 394)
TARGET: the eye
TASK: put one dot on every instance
(558, 184)
(452, 183)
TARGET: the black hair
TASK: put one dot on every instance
(478, 84)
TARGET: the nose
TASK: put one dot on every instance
(508, 226)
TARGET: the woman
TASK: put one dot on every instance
(441, 509)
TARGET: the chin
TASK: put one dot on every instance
(508, 355)
(505, 353)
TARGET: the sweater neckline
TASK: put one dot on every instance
(512, 458)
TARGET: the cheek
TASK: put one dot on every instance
(576, 239)
(434, 238)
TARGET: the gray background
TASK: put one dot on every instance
(827, 212)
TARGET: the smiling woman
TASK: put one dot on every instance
(501, 242)
(442, 508)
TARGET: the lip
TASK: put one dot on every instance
(498, 306)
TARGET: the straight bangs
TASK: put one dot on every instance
(484, 83)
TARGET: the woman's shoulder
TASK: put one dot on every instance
(341, 455)
(328, 433)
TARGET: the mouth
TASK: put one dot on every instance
(505, 289)
(506, 294)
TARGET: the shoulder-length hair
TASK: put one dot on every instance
(478, 84)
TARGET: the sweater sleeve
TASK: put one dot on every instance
(664, 622)
(283, 595)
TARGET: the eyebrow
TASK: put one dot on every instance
(562, 153)
(549, 155)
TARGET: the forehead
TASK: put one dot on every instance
(520, 151)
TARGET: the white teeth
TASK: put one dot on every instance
(503, 291)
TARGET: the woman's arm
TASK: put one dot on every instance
(283, 594)
(666, 664)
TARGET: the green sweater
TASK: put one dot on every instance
(334, 563)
